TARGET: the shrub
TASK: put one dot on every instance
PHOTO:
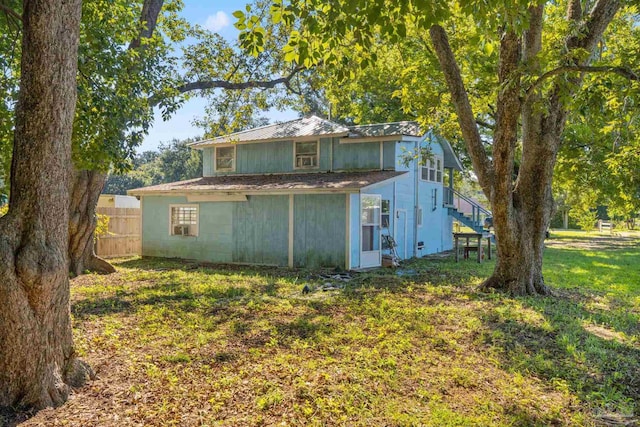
(102, 228)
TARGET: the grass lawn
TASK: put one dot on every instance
(179, 344)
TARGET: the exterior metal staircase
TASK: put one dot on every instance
(478, 213)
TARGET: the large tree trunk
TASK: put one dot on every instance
(520, 243)
(85, 192)
(37, 361)
(88, 184)
(520, 237)
(522, 209)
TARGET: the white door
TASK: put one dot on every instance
(400, 232)
(370, 210)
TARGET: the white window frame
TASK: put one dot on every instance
(194, 228)
(233, 160)
(295, 156)
(432, 165)
(419, 216)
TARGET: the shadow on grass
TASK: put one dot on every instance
(604, 372)
(171, 288)
(170, 294)
(155, 264)
(305, 327)
(595, 271)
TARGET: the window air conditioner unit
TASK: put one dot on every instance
(306, 160)
(181, 230)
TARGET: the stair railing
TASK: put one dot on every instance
(476, 209)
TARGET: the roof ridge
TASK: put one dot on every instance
(248, 130)
(387, 123)
(302, 126)
(313, 116)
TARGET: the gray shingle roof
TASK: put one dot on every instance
(299, 128)
(281, 182)
(386, 129)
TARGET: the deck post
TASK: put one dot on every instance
(457, 254)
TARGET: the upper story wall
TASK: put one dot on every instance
(402, 148)
(279, 157)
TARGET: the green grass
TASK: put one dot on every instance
(179, 344)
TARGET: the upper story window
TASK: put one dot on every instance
(306, 154)
(184, 220)
(225, 158)
(432, 170)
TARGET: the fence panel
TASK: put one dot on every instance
(125, 237)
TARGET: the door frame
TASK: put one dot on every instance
(366, 255)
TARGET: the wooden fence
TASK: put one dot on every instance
(125, 233)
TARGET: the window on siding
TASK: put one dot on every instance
(419, 216)
(386, 212)
(432, 170)
(306, 155)
(226, 159)
(184, 220)
(434, 199)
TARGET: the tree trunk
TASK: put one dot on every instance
(88, 184)
(520, 244)
(85, 192)
(37, 362)
(522, 210)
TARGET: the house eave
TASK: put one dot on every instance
(387, 138)
(185, 193)
(382, 183)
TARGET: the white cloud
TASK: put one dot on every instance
(217, 21)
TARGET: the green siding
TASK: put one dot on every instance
(363, 155)
(319, 230)
(277, 157)
(389, 155)
(325, 148)
(268, 157)
(207, 162)
(214, 240)
(261, 230)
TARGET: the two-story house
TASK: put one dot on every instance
(306, 193)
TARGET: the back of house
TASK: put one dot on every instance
(307, 193)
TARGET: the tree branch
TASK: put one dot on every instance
(621, 71)
(10, 12)
(225, 84)
(484, 124)
(466, 118)
(574, 10)
(149, 19)
(532, 45)
(597, 21)
(505, 136)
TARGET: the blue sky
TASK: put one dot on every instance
(216, 16)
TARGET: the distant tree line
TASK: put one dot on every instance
(174, 161)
